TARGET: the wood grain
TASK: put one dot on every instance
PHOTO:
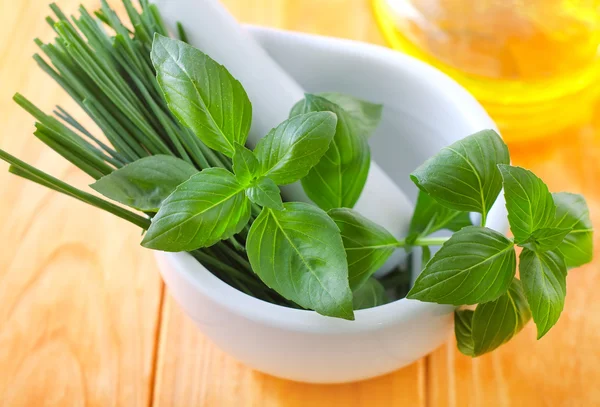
(193, 372)
(79, 300)
(81, 316)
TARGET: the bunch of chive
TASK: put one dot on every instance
(112, 79)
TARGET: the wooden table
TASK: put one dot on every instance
(85, 318)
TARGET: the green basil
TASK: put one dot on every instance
(475, 265)
(572, 213)
(529, 203)
(429, 217)
(425, 255)
(367, 244)
(464, 176)
(366, 115)
(495, 323)
(544, 277)
(299, 253)
(209, 207)
(264, 192)
(145, 183)
(546, 239)
(369, 295)
(339, 177)
(202, 94)
(245, 164)
(463, 331)
(291, 149)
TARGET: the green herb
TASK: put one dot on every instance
(202, 94)
(299, 253)
(338, 179)
(493, 323)
(208, 207)
(144, 184)
(176, 123)
(113, 80)
(463, 330)
(464, 176)
(475, 265)
(369, 295)
(367, 244)
(430, 216)
(292, 148)
(545, 239)
(245, 165)
(366, 115)
(529, 203)
(572, 213)
(264, 192)
(544, 277)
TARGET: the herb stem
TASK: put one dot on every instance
(207, 259)
(33, 174)
(424, 241)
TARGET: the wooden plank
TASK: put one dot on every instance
(79, 299)
(562, 368)
(190, 370)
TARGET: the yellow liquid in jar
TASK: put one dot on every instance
(534, 64)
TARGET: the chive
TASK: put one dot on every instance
(68, 155)
(181, 33)
(112, 85)
(113, 80)
(115, 158)
(25, 170)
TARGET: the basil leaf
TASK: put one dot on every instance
(245, 164)
(495, 323)
(299, 253)
(291, 149)
(464, 176)
(338, 179)
(475, 265)
(369, 295)
(529, 203)
(367, 244)
(366, 115)
(545, 239)
(463, 324)
(265, 192)
(572, 212)
(429, 217)
(425, 255)
(202, 94)
(544, 277)
(209, 207)
(146, 182)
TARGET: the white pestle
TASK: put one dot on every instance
(273, 92)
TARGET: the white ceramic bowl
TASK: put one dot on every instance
(424, 110)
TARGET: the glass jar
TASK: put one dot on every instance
(534, 64)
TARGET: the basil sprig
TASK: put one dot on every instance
(476, 265)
